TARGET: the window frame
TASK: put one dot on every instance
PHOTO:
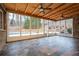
(2, 20)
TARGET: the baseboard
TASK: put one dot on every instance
(42, 37)
(68, 36)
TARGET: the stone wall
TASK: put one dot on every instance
(76, 26)
(3, 35)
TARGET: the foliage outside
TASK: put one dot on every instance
(35, 23)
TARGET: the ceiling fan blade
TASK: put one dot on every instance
(43, 12)
(42, 9)
(47, 8)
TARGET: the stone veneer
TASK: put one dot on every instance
(3, 36)
(76, 27)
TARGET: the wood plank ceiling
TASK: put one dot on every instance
(32, 9)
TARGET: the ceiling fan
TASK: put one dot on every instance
(42, 9)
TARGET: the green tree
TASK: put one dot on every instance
(26, 23)
(35, 22)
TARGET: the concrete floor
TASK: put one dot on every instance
(47, 46)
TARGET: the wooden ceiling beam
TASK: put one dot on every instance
(71, 15)
(59, 5)
(65, 10)
(26, 8)
(16, 7)
(68, 10)
(35, 9)
(10, 5)
(71, 11)
(59, 9)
